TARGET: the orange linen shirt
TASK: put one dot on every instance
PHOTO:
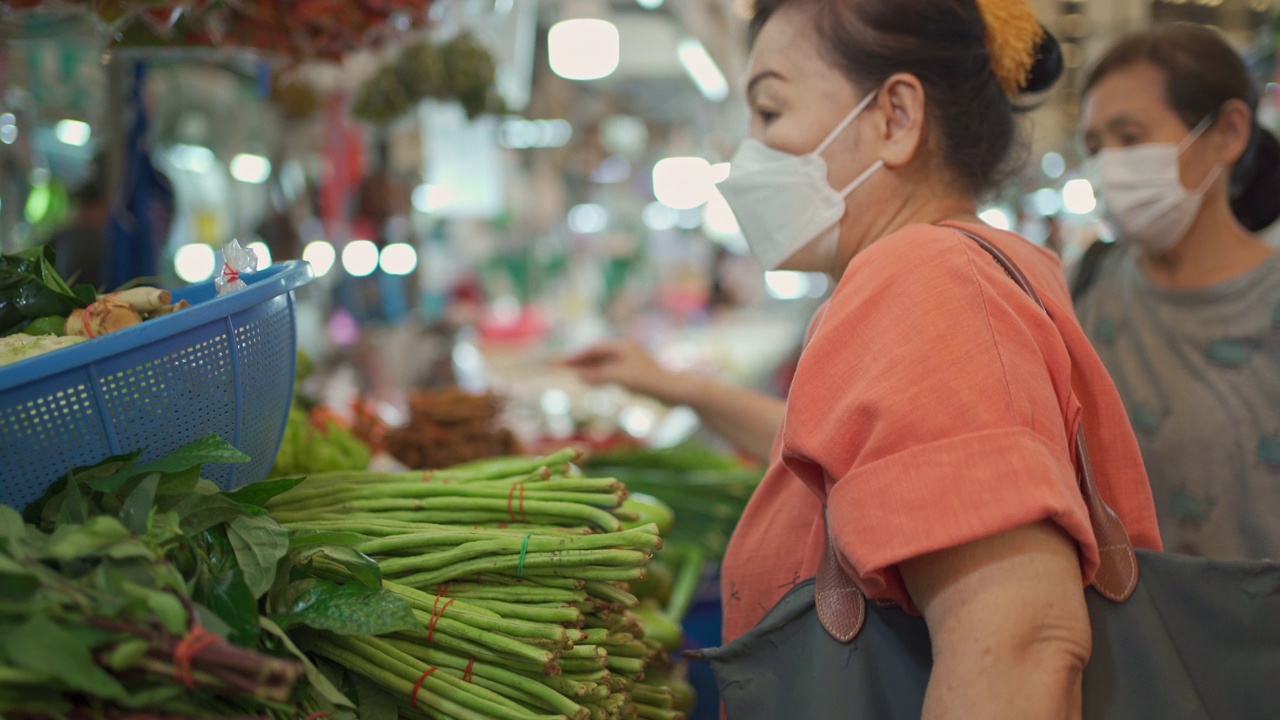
(934, 404)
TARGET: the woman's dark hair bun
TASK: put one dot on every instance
(1255, 182)
(1048, 65)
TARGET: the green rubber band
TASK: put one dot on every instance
(524, 548)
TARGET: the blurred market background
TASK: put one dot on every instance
(481, 186)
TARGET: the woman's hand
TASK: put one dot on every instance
(626, 363)
(746, 418)
(1009, 626)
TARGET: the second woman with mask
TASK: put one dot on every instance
(1185, 308)
(932, 415)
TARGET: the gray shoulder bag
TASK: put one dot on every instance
(1174, 637)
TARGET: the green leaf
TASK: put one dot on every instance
(358, 566)
(94, 538)
(137, 509)
(17, 588)
(259, 544)
(75, 508)
(169, 610)
(320, 684)
(231, 600)
(259, 493)
(128, 652)
(299, 539)
(40, 645)
(375, 703)
(11, 526)
(349, 610)
(211, 449)
(164, 526)
(201, 512)
(211, 622)
(130, 550)
(152, 697)
(178, 483)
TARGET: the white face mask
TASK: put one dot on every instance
(788, 211)
(1143, 195)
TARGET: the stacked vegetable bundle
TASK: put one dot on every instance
(515, 570)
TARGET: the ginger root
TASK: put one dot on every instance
(142, 299)
(167, 309)
(104, 316)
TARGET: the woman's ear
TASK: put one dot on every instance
(1232, 131)
(902, 105)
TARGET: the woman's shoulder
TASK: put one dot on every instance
(942, 261)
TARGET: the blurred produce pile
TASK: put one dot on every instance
(315, 438)
(460, 69)
(294, 29)
(449, 427)
(706, 489)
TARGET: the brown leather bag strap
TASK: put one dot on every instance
(841, 605)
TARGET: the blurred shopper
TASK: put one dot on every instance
(81, 245)
(1185, 308)
(933, 410)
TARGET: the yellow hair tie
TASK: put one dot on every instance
(1013, 34)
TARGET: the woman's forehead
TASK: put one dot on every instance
(788, 44)
(1132, 91)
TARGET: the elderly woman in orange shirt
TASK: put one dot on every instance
(933, 410)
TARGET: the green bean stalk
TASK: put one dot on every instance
(517, 570)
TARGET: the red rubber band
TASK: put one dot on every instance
(413, 699)
(511, 494)
(523, 517)
(466, 674)
(84, 320)
(229, 273)
(431, 627)
(197, 640)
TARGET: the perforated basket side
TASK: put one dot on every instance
(163, 396)
(266, 360)
(47, 428)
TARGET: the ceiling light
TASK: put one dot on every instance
(683, 183)
(72, 132)
(398, 259)
(702, 70)
(996, 218)
(253, 169)
(1078, 197)
(360, 258)
(321, 255)
(194, 263)
(583, 48)
(263, 252)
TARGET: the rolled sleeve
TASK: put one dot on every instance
(949, 493)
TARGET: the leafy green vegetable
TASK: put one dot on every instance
(259, 493)
(355, 565)
(211, 449)
(30, 288)
(259, 544)
(41, 646)
(348, 610)
(137, 508)
(320, 684)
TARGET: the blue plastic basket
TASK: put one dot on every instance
(224, 365)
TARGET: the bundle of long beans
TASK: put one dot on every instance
(516, 569)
